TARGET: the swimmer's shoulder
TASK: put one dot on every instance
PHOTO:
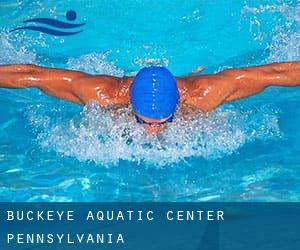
(191, 85)
(106, 90)
(205, 92)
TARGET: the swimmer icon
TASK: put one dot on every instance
(57, 28)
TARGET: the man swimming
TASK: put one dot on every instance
(153, 93)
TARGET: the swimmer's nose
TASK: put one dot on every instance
(153, 129)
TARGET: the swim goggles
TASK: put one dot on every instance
(141, 121)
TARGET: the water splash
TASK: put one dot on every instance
(285, 45)
(106, 136)
(195, 16)
(264, 8)
(143, 62)
(12, 51)
(285, 35)
(95, 63)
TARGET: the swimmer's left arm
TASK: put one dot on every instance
(252, 80)
(207, 92)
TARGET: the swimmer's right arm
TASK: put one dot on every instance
(54, 82)
(74, 86)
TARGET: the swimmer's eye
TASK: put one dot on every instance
(141, 121)
(138, 120)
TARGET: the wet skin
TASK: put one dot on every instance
(203, 92)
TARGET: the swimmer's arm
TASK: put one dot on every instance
(207, 92)
(74, 86)
(54, 82)
(255, 79)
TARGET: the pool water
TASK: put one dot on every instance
(248, 150)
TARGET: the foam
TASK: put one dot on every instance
(95, 63)
(285, 45)
(13, 51)
(107, 136)
(285, 37)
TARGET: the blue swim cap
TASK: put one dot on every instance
(154, 93)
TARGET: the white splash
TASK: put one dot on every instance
(285, 44)
(95, 63)
(12, 51)
(106, 136)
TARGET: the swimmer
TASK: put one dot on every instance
(154, 93)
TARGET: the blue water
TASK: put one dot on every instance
(248, 150)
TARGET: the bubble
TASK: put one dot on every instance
(108, 136)
(192, 17)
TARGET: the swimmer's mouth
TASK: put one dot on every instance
(141, 121)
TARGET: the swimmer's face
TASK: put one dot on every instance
(152, 126)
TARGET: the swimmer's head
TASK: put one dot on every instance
(154, 95)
